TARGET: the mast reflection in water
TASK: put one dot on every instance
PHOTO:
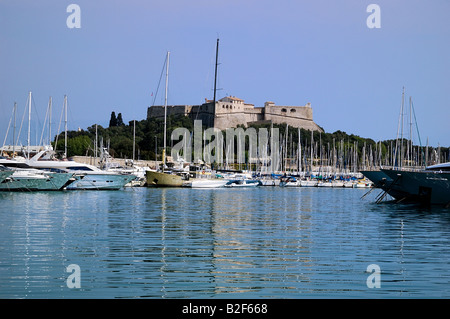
(265, 242)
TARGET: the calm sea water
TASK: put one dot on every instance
(267, 242)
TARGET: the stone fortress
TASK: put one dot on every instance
(230, 111)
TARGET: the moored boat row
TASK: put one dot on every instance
(44, 172)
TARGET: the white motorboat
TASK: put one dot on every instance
(289, 182)
(207, 183)
(243, 183)
(87, 176)
(325, 183)
(308, 183)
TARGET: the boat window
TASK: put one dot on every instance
(80, 168)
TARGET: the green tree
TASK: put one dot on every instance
(120, 120)
(113, 119)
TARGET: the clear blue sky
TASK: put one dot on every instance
(289, 52)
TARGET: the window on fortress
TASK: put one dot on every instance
(293, 110)
(283, 110)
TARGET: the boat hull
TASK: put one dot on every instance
(243, 183)
(22, 184)
(377, 177)
(56, 181)
(100, 182)
(159, 179)
(208, 183)
(47, 181)
(5, 174)
(308, 183)
(423, 187)
(270, 182)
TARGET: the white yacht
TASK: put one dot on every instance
(86, 176)
(22, 177)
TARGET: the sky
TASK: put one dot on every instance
(289, 52)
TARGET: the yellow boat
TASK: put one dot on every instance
(163, 179)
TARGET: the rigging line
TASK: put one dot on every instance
(21, 123)
(159, 82)
(37, 117)
(59, 127)
(69, 110)
(7, 131)
(43, 126)
(415, 120)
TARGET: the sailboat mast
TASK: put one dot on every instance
(29, 124)
(410, 133)
(134, 138)
(311, 161)
(14, 130)
(401, 138)
(165, 110)
(65, 126)
(50, 121)
(215, 73)
(299, 153)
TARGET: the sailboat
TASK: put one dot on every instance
(163, 178)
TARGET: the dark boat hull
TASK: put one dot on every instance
(423, 187)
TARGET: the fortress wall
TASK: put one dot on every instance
(295, 122)
(231, 112)
(224, 121)
(299, 112)
(204, 113)
(229, 107)
(254, 114)
(158, 110)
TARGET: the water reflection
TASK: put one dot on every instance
(188, 243)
